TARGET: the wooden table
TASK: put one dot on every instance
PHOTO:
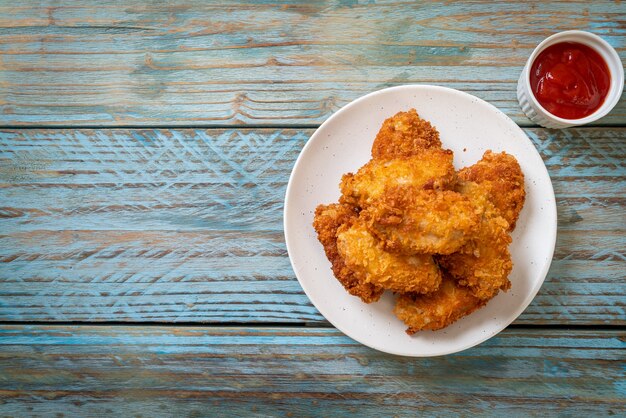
(144, 153)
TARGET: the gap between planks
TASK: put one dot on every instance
(234, 126)
(606, 327)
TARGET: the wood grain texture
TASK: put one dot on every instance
(195, 62)
(166, 371)
(186, 225)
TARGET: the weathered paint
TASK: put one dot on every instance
(186, 225)
(196, 371)
(209, 63)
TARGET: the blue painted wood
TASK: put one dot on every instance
(205, 63)
(186, 225)
(139, 225)
(165, 371)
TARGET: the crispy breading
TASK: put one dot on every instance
(430, 169)
(436, 310)
(406, 222)
(411, 221)
(364, 255)
(484, 263)
(403, 135)
(502, 176)
(328, 219)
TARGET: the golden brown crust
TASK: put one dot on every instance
(431, 169)
(365, 257)
(438, 309)
(412, 221)
(403, 135)
(328, 219)
(501, 175)
(484, 263)
(406, 222)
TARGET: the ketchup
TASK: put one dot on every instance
(570, 80)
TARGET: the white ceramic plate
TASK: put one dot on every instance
(468, 126)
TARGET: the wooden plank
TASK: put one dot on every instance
(196, 62)
(165, 371)
(186, 225)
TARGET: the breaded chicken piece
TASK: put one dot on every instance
(411, 221)
(328, 219)
(436, 310)
(363, 255)
(430, 169)
(403, 135)
(484, 263)
(502, 176)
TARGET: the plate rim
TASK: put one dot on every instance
(551, 198)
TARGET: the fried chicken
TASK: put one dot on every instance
(436, 310)
(484, 263)
(501, 175)
(411, 221)
(408, 222)
(430, 169)
(328, 219)
(365, 257)
(403, 135)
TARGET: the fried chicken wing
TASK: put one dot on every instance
(403, 135)
(328, 219)
(411, 221)
(363, 255)
(501, 175)
(436, 310)
(484, 263)
(431, 169)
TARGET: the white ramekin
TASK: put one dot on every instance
(529, 103)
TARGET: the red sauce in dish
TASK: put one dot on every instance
(570, 80)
